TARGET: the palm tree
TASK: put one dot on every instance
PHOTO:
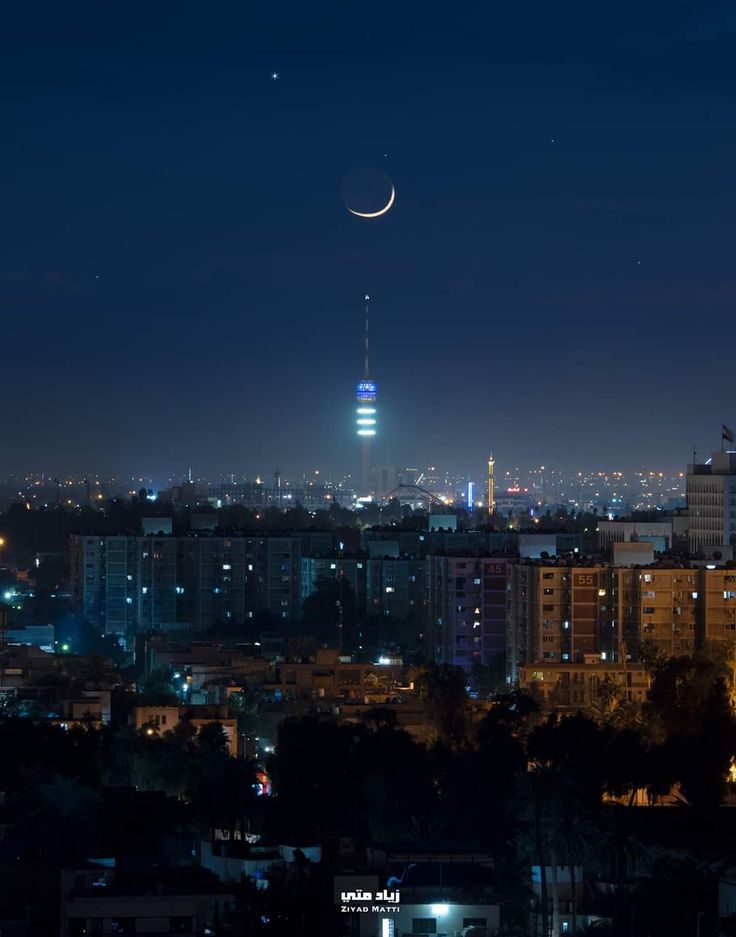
(556, 834)
(622, 851)
(576, 835)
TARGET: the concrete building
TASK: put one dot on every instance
(161, 719)
(97, 898)
(329, 677)
(466, 609)
(576, 686)
(657, 532)
(395, 587)
(559, 613)
(315, 568)
(711, 502)
(383, 585)
(632, 553)
(128, 584)
(562, 614)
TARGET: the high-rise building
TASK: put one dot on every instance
(711, 502)
(467, 609)
(129, 584)
(365, 414)
(559, 614)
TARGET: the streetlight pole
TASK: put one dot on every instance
(341, 593)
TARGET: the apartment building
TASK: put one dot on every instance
(562, 614)
(466, 608)
(127, 584)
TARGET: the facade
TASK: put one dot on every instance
(711, 502)
(625, 531)
(315, 568)
(466, 609)
(329, 677)
(162, 719)
(127, 584)
(387, 585)
(561, 615)
(395, 587)
(99, 899)
(576, 686)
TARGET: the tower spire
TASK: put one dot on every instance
(491, 481)
(366, 369)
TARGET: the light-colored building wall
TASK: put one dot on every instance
(625, 531)
(711, 501)
(576, 686)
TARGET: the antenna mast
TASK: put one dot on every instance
(366, 369)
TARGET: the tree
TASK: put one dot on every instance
(446, 705)
(690, 714)
(157, 689)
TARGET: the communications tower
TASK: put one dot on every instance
(365, 412)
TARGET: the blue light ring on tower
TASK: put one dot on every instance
(366, 391)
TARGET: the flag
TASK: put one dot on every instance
(727, 434)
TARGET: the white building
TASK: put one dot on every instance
(711, 501)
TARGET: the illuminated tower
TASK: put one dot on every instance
(365, 413)
(491, 470)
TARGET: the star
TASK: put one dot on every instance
(274, 76)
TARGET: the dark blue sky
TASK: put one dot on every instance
(181, 285)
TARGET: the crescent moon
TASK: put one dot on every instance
(375, 214)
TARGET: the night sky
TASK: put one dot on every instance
(181, 284)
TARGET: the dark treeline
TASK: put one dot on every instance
(533, 790)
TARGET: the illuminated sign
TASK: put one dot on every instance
(366, 390)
